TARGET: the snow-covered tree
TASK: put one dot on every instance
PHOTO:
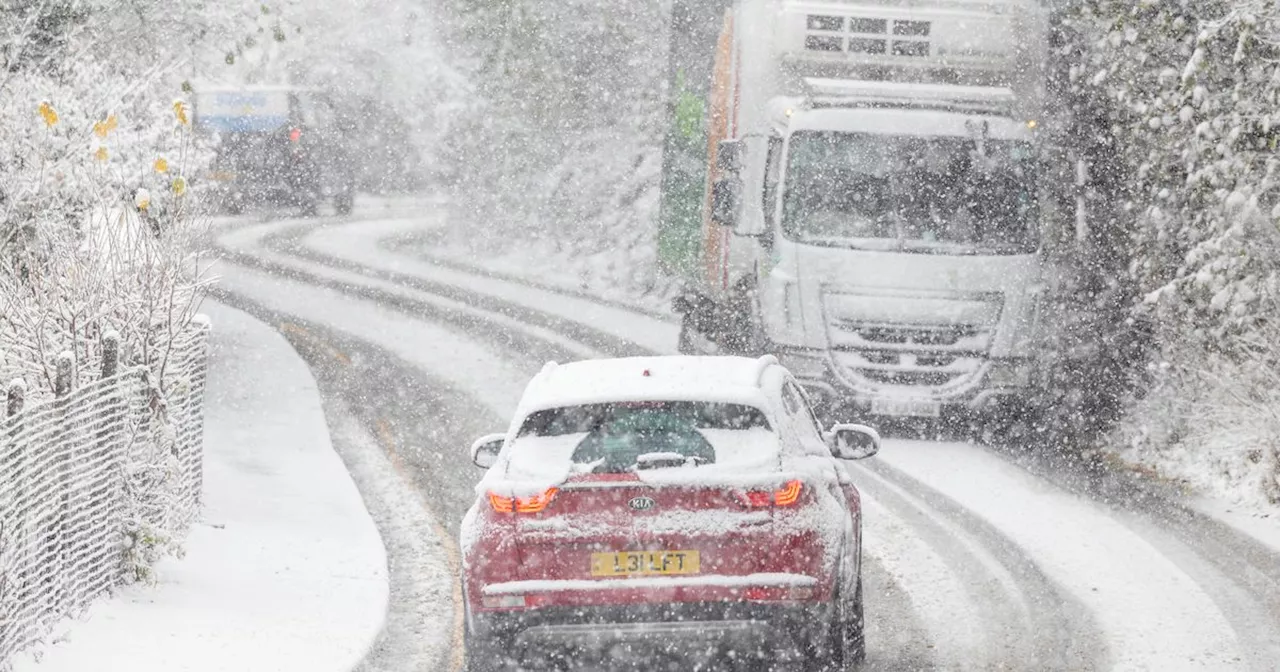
(1195, 89)
(563, 147)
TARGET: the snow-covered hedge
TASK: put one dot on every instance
(1196, 89)
(562, 149)
(97, 215)
(96, 210)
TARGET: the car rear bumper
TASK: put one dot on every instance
(775, 630)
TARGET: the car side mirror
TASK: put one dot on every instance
(484, 452)
(726, 192)
(853, 442)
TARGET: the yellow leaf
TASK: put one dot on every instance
(180, 111)
(161, 165)
(103, 128)
(50, 115)
(179, 186)
(101, 154)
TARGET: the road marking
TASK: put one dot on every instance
(303, 333)
(386, 437)
(453, 555)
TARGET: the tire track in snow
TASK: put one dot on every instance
(295, 289)
(1152, 614)
(288, 239)
(282, 248)
(1028, 621)
(360, 246)
(1240, 574)
(1242, 579)
(499, 330)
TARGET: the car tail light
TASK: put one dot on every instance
(295, 135)
(534, 504)
(787, 495)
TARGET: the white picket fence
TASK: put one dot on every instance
(93, 479)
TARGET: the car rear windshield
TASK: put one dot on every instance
(620, 434)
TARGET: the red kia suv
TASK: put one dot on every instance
(665, 506)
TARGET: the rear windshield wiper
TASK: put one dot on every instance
(663, 460)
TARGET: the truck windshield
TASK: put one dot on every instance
(943, 195)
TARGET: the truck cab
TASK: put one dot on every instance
(873, 207)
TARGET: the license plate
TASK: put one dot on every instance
(645, 563)
(922, 408)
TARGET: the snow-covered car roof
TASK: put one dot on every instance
(669, 378)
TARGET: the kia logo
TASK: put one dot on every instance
(641, 503)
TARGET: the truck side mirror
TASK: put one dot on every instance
(729, 155)
(726, 193)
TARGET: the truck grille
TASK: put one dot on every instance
(936, 342)
(935, 356)
(866, 35)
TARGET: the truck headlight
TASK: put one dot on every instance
(1009, 373)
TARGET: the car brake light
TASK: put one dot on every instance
(295, 135)
(532, 504)
(502, 504)
(786, 496)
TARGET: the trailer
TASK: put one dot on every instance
(869, 198)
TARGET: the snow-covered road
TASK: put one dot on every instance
(974, 562)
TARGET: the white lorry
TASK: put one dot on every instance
(872, 202)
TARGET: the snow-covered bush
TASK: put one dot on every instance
(96, 217)
(98, 213)
(561, 153)
(1196, 89)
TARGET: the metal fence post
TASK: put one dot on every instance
(15, 396)
(110, 353)
(64, 369)
(109, 486)
(16, 588)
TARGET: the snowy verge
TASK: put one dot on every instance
(423, 628)
(1261, 526)
(283, 571)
